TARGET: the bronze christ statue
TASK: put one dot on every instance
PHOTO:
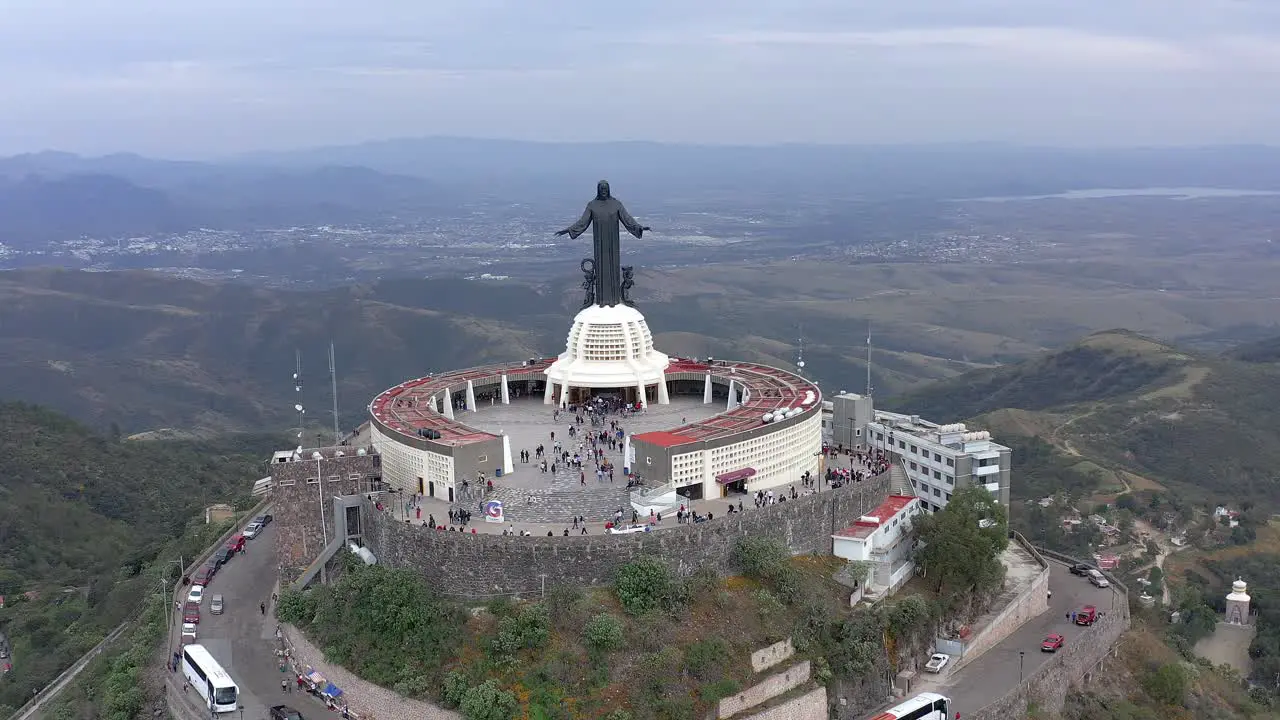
(604, 214)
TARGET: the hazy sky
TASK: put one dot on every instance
(203, 77)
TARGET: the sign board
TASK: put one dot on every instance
(493, 511)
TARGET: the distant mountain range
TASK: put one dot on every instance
(53, 195)
(57, 196)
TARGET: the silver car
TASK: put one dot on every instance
(215, 606)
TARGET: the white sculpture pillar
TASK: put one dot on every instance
(733, 396)
(548, 395)
(564, 395)
(433, 404)
(448, 404)
(471, 396)
(506, 391)
(644, 400)
(626, 455)
(664, 397)
(508, 466)
(706, 390)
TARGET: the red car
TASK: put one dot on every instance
(1086, 615)
(191, 612)
(203, 576)
(1052, 642)
(236, 543)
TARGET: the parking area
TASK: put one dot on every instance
(242, 638)
(997, 671)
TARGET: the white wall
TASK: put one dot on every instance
(402, 465)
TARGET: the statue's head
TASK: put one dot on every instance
(602, 190)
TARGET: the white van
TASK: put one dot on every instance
(1098, 579)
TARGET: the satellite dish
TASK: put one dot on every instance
(295, 376)
(298, 408)
(800, 364)
(299, 434)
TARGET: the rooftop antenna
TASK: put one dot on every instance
(297, 387)
(333, 379)
(868, 358)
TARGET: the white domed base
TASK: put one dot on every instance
(608, 347)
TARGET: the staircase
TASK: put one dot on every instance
(899, 483)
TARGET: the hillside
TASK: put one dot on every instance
(146, 351)
(80, 516)
(1130, 410)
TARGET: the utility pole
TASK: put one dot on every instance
(333, 380)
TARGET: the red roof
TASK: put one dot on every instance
(891, 506)
(662, 438)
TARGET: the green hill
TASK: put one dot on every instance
(1121, 409)
(80, 516)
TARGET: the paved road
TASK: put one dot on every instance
(995, 672)
(242, 640)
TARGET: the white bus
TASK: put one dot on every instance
(925, 706)
(209, 679)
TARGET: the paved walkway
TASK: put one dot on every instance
(369, 701)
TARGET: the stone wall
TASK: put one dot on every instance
(1048, 686)
(1071, 666)
(302, 490)
(1031, 602)
(765, 690)
(809, 706)
(766, 658)
(483, 565)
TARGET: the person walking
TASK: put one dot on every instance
(263, 607)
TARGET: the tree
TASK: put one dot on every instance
(1168, 684)
(962, 545)
(646, 584)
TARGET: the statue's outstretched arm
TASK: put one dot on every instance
(576, 229)
(629, 222)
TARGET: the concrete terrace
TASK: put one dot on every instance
(531, 496)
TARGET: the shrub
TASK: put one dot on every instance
(296, 607)
(1167, 684)
(486, 702)
(768, 561)
(702, 657)
(527, 629)
(647, 584)
(603, 633)
(455, 688)
(718, 690)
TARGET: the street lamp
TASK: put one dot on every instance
(1021, 654)
(241, 712)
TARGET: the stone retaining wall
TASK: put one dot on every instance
(765, 690)
(1086, 653)
(1031, 602)
(766, 658)
(483, 566)
(809, 706)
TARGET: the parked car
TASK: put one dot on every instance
(252, 530)
(1086, 615)
(195, 594)
(263, 520)
(1098, 579)
(1052, 642)
(215, 605)
(284, 712)
(224, 555)
(937, 662)
(191, 612)
(203, 576)
(188, 633)
(1081, 569)
(237, 542)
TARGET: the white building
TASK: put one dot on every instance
(883, 537)
(938, 459)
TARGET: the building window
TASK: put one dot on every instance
(950, 480)
(937, 492)
(948, 497)
(951, 463)
(937, 457)
(879, 437)
(286, 483)
(913, 465)
(902, 444)
(482, 458)
(937, 475)
(913, 449)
